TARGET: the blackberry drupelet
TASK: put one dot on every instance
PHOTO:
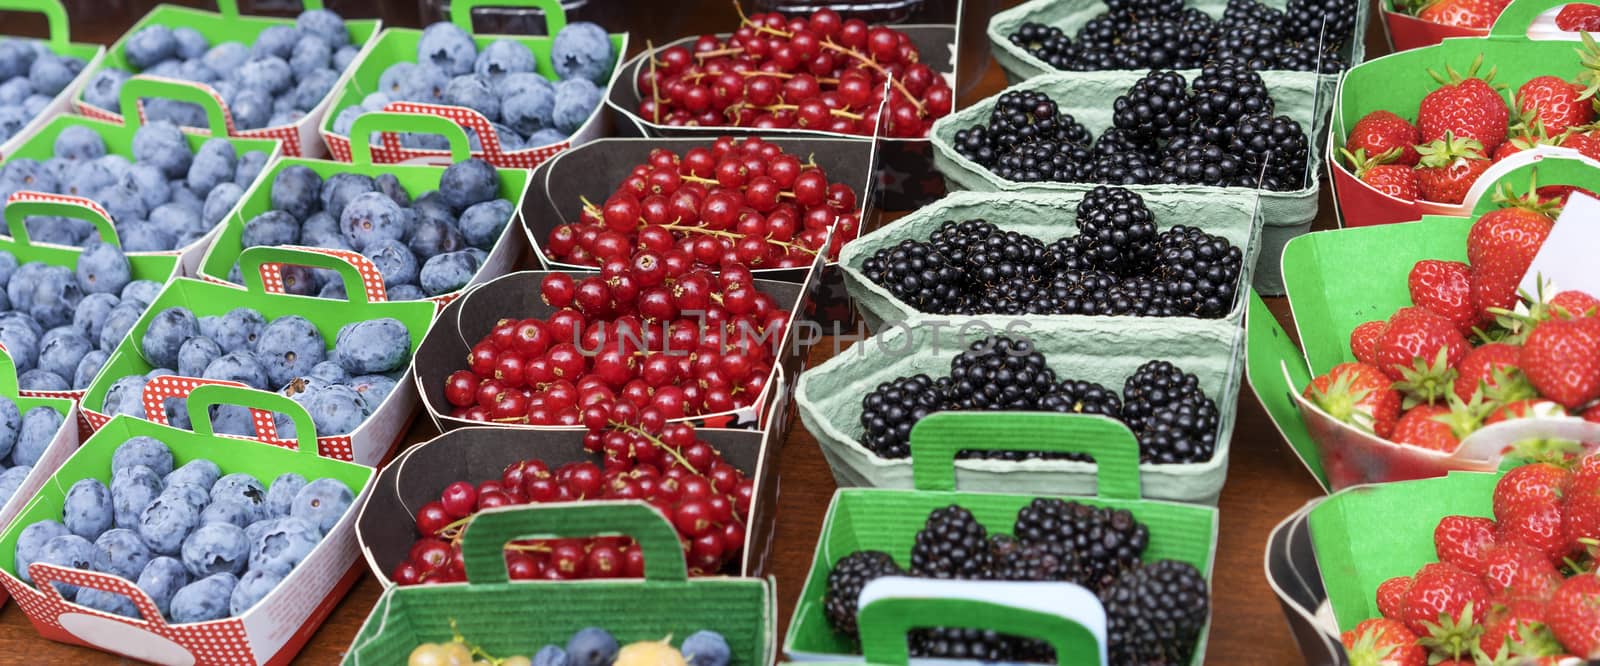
(1030, 561)
(951, 544)
(1226, 91)
(1153, 386)
(845, 580)
(1181, 432)
(889, 412)
(1104, 542)
(1200, 271)
(1158, 106)
(1118, 231)
(915, 273)
(1154, 614)
(1274, 147)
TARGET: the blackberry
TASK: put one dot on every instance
(1275, 148)
(1307, 57)
(1081, 291)
(1249, 13)
(1164, 43)
(1014, 296)
(1030, 561)
(889, 412)
(1115, 141)
(1065, 254)
(1200, 164)
(988, 255)
(1075, 396)
(845, 581)
(1254, 45)
(1117, 229)
(1043, 162)
(1031, 36)
(917, 274)
(1328, 23)
(1140, 296)
(1124, 169)
(1137, 11)
(1026, 116)
(1157, 106)
(1154, 614)
(1226, 91)
(1104, 542)
(958, 643)
(951, 544)
(998, 373)
(1153, 386)
(973, 144)
(1200, 270)
(1181, 432)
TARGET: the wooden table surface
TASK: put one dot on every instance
(1265, 481)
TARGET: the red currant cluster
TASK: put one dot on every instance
(706, 499)
(659, 336)
(744, 202)
(818, 73)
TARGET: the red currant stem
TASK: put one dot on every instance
(732, 235)
(511, 419)
(697, 179)
(655, 85)
(787, 75)
(874, 66)
(791, 107)
(718, 53)
(453, 530)
(656, 441)
(530, 548)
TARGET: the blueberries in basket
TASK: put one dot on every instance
(205, 599)
(87, 511)
(448, 47)
(575, 100)
(51, 73)
(448, 272)
(132, 488)
(289, 347)
(394, 261)
(372, 346)
(11, 481)
(426, 83)
(196, 355)
(167, 332)
(107, 602)
(198, 472)
(242, 367)
(482, 223)
(161, 579)
(79, 143)
(310, 55)
(297, 190)
(473, 93)
(61, 354)
(231, 511)
(284, 545)
(250, 165)
(336, 409)
(191, 44)
(241, 488)
(71, 551)
(217, 547)
(281, 494)
(120, 552)
(252, 587)
(167, 520)
(31, 542)
(271, 228)
(89, 368)
(150, 46)
(582, 50)
(322, 503)
(43, 380)
(39, 426)
(468, 182)
(370, 218)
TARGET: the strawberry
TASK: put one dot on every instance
(1574, 615)
(1501, 245)
(1520, 571)
(1464, 541)
(1536, 483)
(1573, 303)
(1358, 394)
(1517, 626)
(1561, 358)
(1489, 367)
(1466, 107)
(1444, 288)
(1442, 591)
(1384, 174)
(1523, 409)
(1537, 524)
(1580, 522)
(1364, 340)
(1585, 478)
(1448, 167)
(1437, 427)
(1586, 143)
(1554, 102)
(1380, 132)
(1592, 414)
(1392, 596)
(1578, 17)
(1557, 194)
(1461, 13)
(1383, 642)
(1420, 349)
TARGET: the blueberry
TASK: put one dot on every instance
(126, 390)
(582, 50)
(199, 472)
(503, 57)
(12, 94)
(394, 261)
(177, 218)
(220, 202)
(706, 648)
(39, 426)
(322, 230)
(427, 84)
(325, 25)
(276, 41)
(576, 100)
(389, 184)
(196, 354)
(308, 93)
(117, 325)
(197, 71)
(79, 143)
(473, 93)
(216, 548)
(88, 368)
(347, 119)
(322, 503)
(102, 269)
(87, 179)
(167, 331)
(283, 545)
(289, 347)
(232, 420)
(296, 190)
(191, 44)
(424, 141)
(230, 511)
(16, 56)
(143, 450)
(162, 145)
(468, 182)
(28, 173)
(107, 602)
(148, 183)
(30, 544)
(309, 55)
(21, 343)
(270, 74)
(281, 495)
(204, 600)
(51, 74)
(132, 488)
(550, 655)
(55, 297)
(483, 222)
(369, 218)
(336, 410)
(341, 188)
(240, 328)
(150, 45)
(301, 280)
(121, 552)
(182, 114)
(252, 588)
(250, 165)
(8, 267)
(161, 579)
(10, 424)
(43, 380)
(142, 292)
(530, 111)
(591, 646)
(168, 520)
(433, 237)
(213, 165)
(329, 372)
(61, 353)
(448, 272)
(210, 325)
(372, 346)
(226, 57)
(251, 108)
(242, 367)
(396, 80)
(11, 481)
(87, 511)
(70, 551)
(242, 488)
(271, 228)
(449, 47)
(344, 56)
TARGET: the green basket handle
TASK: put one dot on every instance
(261, 404)
(555, 17)
(1518, 16)
(25, 204)
(206, 97)
(385, 121)
(1537, 168)
(55, 15)
(885, 622)
(363, 283)
(230, 8)
(8, 374)
(483, 544)
(937, 438)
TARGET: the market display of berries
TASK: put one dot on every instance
(1117, 264)
(339, 384)
(1219, 131)
(24, 436)
(741, 201)
(685, 478)
(501, 81)
(1305, 36)
(1154, 610)
(589, 646)
(31, 75)
(1464, 126)
(1459, 358)
(427, 246)
(203, 544)
(166, 197)
(273, 82)
(1520, 584)
(1173, 419)
(822, 72)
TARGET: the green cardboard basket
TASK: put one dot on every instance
(888, 520)
(269, 632)
(507, 618)
(224, 254)
(61, 445)
(225, 25)
(829, 398)
(1045, 217)
(154, 267)
(368, 444)
(60, 43)
(119, 141)
(1087, 97)
(397, 45)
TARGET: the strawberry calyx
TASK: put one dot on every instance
(1455, 78)
(1589, 56)
(1367, 652)
(1427, 381)
(1361, 163)
(1452, 638)
(1463, 417)
(1446, 150)
(1505, 385)
(1506, 196)
(1341, 401)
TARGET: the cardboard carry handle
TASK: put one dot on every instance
(1563, 166)
(483, 544)
(8, 374)
(261, 268)
(261, 404)
(43, 574)
(936, 439)
(460, 115)
(1518, 16)
(555, 18)
(886, 618)
(139, 87)
(25, 204)
(230, 8)
(386, 122)
(55, 16)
